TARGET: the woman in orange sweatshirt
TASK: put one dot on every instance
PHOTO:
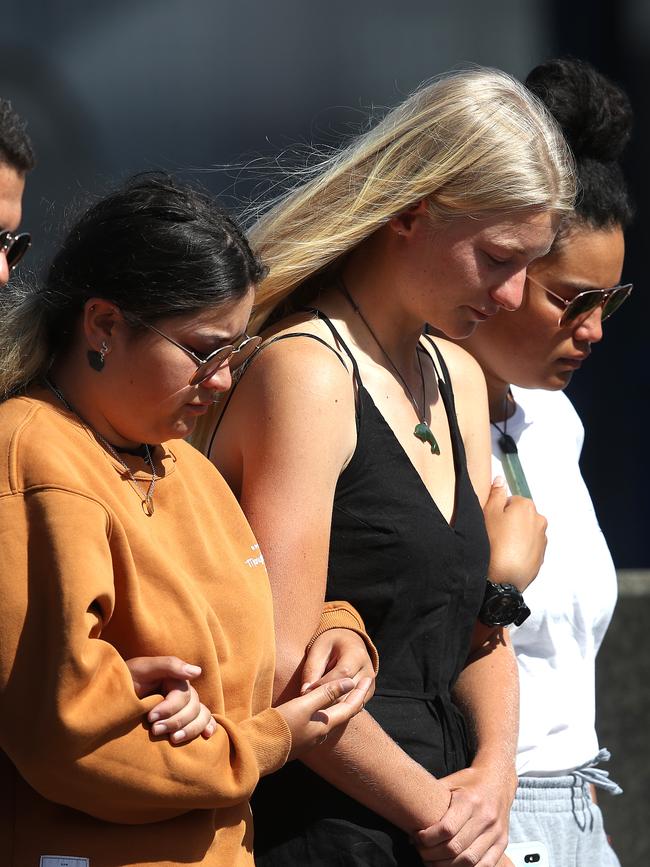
(119, 540)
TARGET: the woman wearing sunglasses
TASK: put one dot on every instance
(374, 447)
(119, 541)
(13, 247)
(16, 160)
(528, 357)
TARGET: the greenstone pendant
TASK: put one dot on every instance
(424, 434)
(512, 468)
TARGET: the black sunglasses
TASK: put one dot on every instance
(14, 246)
(584, 303)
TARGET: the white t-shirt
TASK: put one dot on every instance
(572, 598)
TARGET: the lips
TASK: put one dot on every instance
(481, 315)
(573, 362)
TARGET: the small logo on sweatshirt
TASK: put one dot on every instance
(256, 560)
(64, 861)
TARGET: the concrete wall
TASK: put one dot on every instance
(623, 718)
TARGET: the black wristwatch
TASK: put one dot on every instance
(502, 605)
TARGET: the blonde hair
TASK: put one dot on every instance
(472, 142)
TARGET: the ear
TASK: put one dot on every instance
(99, 319)
(403, 222)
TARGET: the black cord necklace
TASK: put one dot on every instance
(510, 456)
(147, 501)
(422, 430)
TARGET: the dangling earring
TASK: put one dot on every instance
(96, 359)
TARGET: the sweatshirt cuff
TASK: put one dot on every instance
(341, 615)
(270, 739)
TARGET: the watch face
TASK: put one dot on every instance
(502, 609)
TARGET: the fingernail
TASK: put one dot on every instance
(178, 736)
(159, 729)
(192, 670)
(499, 482)
(153, 716)
(304, 688)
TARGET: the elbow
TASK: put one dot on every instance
(131, 796)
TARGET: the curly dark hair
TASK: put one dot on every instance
(15, 146)
(596, 118)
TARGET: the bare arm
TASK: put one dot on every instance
(493, 714)
(286, 482)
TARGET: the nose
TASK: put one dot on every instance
(221, 379)
(510, 293)
(4, 269)
(590, 329)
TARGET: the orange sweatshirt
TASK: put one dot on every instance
(87, 580)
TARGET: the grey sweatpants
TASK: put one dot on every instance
(559, 811)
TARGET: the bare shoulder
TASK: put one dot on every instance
(299, 359)
(295, 399)
(464, 370)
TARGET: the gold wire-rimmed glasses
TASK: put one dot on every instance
(584, 303)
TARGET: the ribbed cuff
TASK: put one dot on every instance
(270, 739)
(341, 615)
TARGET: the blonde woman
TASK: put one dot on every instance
(404, 226)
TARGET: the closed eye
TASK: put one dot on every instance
(207, 351)
(561, 303)
(494, 260)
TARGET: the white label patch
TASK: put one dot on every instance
(64, 861)
(256, 560)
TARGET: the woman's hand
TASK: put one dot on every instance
(517, 537)
(474, 830)
(180, 716)
(335, 654)
(312, 716)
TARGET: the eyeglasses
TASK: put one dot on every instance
(233, 355)
(584, 303)
(14, 247)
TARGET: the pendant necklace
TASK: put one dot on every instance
(510, 456)
(147, 502)
(422, 430)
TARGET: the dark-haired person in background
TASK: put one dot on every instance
(528, 357)
(119, 540)
(16, 159)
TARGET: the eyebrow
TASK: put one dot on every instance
(577, 286)
(514, 249)
(216, 341)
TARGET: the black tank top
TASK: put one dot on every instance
(418, 582)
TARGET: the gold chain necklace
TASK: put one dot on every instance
(147, 502)
(422, 430)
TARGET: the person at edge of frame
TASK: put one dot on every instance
(16, 160)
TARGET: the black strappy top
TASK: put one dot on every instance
(418, 582)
